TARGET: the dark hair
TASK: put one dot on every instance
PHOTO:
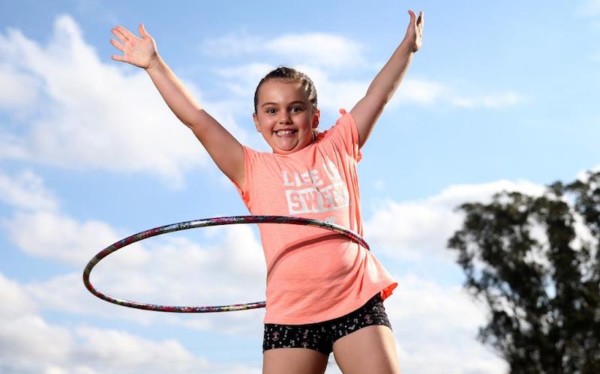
(284, 72)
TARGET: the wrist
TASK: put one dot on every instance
(154, 63)
(410, 45)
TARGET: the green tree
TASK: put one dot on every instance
(534, 262)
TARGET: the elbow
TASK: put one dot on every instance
(193, 119)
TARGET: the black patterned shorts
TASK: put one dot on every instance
(321, 336)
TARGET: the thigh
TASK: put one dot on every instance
(369, 350)
(293, 361)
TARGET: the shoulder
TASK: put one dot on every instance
(343, 134)
(344, 124)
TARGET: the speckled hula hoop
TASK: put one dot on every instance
(216, 221)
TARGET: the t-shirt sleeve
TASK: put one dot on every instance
(345, 134)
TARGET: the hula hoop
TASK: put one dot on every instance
(216, 221)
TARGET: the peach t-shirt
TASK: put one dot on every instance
(313, 274)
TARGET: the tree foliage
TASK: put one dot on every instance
(534, 262)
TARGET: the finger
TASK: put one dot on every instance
(118, 58)
(118, 45)
(421, 19)
(118, 32)
(128, 33)
(142, 31)
(123, 33)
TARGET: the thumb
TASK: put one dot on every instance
(142, 31)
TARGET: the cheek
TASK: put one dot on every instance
(260, 121)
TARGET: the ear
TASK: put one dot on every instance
(316, 116)
(256, 123)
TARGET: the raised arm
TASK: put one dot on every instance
(141, 51)
(384, 85)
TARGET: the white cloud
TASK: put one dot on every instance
(23, 334)
(435, 329)
(16, 302)
(421, 92)
(311, 53)
(428, 93)
(227, 269)
(241, 252)
(29, 336)
(335, 93)
(52, 235)
(589, 8)
(493, 101)
(227, 272)
(31, 344)
(82, 113)
(18, 89)
(430, 321)
(93, 115)
(317, 49)
(417, 229)
(321, 56)
(119, 350)
(26, 191)
(232, 45)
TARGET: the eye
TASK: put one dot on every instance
(297, 109)
(270, 111)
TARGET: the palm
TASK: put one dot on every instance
(415, 30)
(419, 36)
(138, 51)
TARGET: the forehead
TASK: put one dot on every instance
(280, 89)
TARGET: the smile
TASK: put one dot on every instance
(285, 132)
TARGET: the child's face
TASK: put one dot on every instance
(284, 116)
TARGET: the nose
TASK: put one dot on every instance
(284, 117)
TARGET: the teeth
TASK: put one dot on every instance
(285, 132)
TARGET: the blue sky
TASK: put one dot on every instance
(502, 96)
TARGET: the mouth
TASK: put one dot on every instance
(284, 133)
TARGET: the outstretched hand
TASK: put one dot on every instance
(139, 51)
(414, 32)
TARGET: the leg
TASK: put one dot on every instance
(294, 361)
(371, 349)
(295, 349)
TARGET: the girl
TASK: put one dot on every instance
(324, 292)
